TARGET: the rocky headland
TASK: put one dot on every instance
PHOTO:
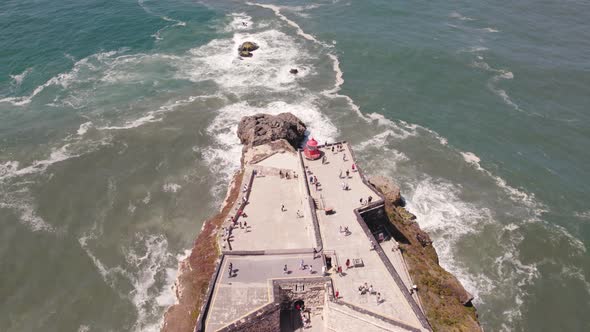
(445, 302)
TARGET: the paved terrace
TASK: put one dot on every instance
(274, 238)
(356, 245)
(248, 288)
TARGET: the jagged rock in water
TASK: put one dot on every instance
(246, 49)
(245, 54)
(265, 128)
(293, 71)
(388, 188)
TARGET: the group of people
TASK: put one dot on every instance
(314, 181)
(287, 174)
(337, 148)
(344, 230)
(302, 266)
(366, 201)
(366, 289)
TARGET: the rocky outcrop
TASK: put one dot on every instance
(265, 128)
(447, 304)
(293, 71)
(246, 49)
(388, 188)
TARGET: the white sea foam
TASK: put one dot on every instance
(61, 80)
(83, 129)
(171, 187)
(500, 74)
(84, 328)
(26, 211)
(268, 69)
(177, 23)
(239, 22)
(458, 16)
(18, 79)
(475, 49)
(491, 30)
(585, 215)
(449, 219)
(517, 195)
(148, 197)
(148, 268)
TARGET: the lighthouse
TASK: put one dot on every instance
(311, 150)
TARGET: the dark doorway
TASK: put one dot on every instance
(291, 318)
(328, 263)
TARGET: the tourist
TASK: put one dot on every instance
(347, 263)
(378, 298)
(323, 270)
(347, 173)
(370, 199)
(315, 252)
(346, 231)
(332, 148)
(337, 294)
(373, 247)
(245, 224)
(361, 200)
(302, 265)
(281, 173)
(341, 229)
(315, 179)
(340, 176)
(344, 157)
(353, 167)
(245, 199)
(241, 225)
(343, 185)
(310, 269)
(299, 214)
(245, 188)
(285, 269)
(340, 271)
(371, 290)
(282, 207)
(231, 269)
(311, 179)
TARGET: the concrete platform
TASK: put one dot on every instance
(355, 245)
(268, 226)
(248, 288)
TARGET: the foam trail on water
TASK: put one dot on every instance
(148, 268)
(239, 22)
(18, 79)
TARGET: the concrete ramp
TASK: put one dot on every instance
(344, 318)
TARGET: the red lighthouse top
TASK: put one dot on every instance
(311, 150)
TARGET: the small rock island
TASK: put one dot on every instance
(304, 241)
(246, 49)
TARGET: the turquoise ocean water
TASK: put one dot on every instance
(117, 139)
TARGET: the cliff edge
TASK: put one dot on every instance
(446, 303)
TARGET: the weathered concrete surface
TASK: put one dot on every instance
(355, 245)
(248, 288)
(268, 226)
